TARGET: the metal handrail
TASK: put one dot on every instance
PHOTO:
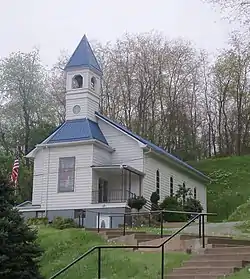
(198, 215)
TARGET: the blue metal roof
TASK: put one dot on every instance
(77, 130)
(151, 145)
(83, 56)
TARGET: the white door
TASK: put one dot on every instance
(104, 221)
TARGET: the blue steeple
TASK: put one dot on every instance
(83, 56)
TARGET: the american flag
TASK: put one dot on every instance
(15, 171)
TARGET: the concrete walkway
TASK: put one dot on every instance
(227, 229)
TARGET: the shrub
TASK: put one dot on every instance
(137, 202)
(38, 221)
(61, 223)
(154, 200)
(173, 204)
(192, 205)
(241, 213)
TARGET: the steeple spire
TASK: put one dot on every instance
(83, 57)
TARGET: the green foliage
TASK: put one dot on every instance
(155, 197)
(19, 250)
(230, 185)
(173, 204)
(181, 201)
(61, 249)
(137, 202)
(192, 205)
(182, 193)
(241, 213)
(61, 223)
(38, 221)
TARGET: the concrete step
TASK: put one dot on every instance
(222, 256)
(193, 276)
(212, 263)
(228, 250)
(225, 270)
(228, 241)
(225, 245)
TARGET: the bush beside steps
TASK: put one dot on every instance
(59, 223)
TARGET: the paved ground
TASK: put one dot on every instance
(227, 228)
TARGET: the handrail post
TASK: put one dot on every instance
(149, 219)
(124, 224)
(98, 222)
(199, 226)
(203, 231)
(99, 263)
(161, 224)
(162, 262)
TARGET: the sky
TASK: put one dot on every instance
(55, 25)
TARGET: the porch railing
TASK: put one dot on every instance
(110, 196)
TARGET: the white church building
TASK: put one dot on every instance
(94, 164)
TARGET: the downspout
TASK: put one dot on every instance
(144, 153)
(47, 188)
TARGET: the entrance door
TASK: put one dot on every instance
(104, 221)
(103, 190)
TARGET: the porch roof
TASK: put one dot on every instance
(118, 167)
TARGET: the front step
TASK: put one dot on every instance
(224, 256)
(225, 270)
(193, 276)
(213, 263)
(228, 250)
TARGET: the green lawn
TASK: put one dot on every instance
(230, 186)
(63, 246)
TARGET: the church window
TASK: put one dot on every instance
(158, 182)
(93, 83)
(66, 174)
(171, 186)
(77, 82)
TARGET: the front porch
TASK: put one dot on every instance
(115, 183)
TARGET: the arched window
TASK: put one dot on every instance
(93, 83)
(195, 193)
(171, 186)
(184, 192)
(77, 81)
(158, 182)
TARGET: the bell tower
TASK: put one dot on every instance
(83, 83)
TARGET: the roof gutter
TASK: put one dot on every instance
(165, 157)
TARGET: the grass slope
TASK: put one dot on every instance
(230, 186)
(61, 247)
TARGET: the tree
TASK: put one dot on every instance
(236, 9)
(19, 252)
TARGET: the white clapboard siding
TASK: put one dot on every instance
(166, 171)
(38, 178)
(89, 104)
(101, 156)
(48, 182)
(127, 150)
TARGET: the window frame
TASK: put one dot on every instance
(61, 171)
(157, 180)
(171, 186)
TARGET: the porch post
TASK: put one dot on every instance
(122, 182)
(129, 182)
(140, 182)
